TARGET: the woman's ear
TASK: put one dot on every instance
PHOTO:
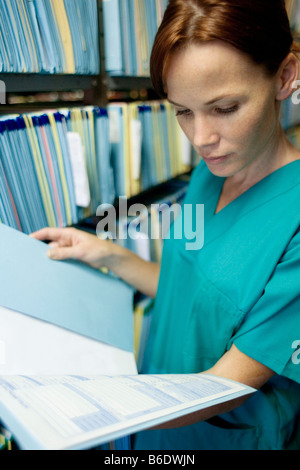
(287, 77)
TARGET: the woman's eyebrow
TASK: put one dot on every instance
(176, 104)
(215, 100)
(220, 98)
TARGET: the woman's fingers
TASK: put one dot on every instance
(52, 245)
(61, 244)
(61, 253)
(53, 234)
(70, 243)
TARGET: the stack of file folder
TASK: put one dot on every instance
(41, 172)
(43, 36)
(92, 125)
(57, 167)
(148, 146)
(129, 31)
(293, 9)
(142, 321)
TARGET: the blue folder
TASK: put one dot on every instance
(68, 293)
(114, 62)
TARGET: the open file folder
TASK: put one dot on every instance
(60, 316)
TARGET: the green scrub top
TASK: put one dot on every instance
(241, 287)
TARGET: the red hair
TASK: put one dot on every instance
(259, 28)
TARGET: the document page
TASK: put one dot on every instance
(47, 349)
(76, 412)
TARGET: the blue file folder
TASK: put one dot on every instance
(68, 294)
(42, 36)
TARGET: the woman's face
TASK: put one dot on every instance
(225, 104)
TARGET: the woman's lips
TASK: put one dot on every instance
(214, 160)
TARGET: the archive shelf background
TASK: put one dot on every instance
(28, 92)
(96, 89)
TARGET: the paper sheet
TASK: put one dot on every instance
(77, 412)
(29, 346)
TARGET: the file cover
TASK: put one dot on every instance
(68, 294)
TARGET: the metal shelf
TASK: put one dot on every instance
(35, 83)
(127, 83)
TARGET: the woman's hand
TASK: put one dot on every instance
(66, 243)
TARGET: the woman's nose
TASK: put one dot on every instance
(205, 134)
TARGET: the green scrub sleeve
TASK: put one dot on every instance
(270, 331)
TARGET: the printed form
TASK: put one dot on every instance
(77, 412)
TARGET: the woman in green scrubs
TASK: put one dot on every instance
(231, 306)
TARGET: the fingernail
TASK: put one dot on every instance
(51, 253)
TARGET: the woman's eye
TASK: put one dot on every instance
(184, 112)
(229, 110)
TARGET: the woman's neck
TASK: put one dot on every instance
(280, 153)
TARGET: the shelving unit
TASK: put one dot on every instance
(29, 92)
(34, 83)
(95, 88)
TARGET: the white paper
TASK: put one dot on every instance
(114, 126)
(80, 176)
(72, 412)
(29, 346)
(142, 246)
